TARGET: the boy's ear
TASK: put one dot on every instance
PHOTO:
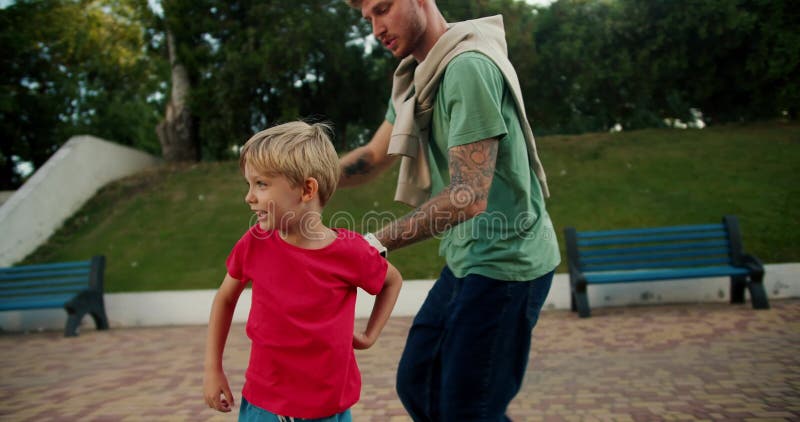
(310, 189)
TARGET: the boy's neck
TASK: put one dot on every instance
(311, 234)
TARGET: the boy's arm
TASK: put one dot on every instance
(381, 310)
(216, 390)
(364, 163)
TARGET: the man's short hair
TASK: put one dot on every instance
(296, 151)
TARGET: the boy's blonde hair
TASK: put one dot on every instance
(355, 4)
(296, 151)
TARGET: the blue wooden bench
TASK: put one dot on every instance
(75, 286)
(662, 253)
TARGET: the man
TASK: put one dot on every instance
(469, 165)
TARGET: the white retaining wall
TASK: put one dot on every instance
(59, 188)
(192, 307)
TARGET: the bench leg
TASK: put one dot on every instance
(86, 302)
(99, 316)
(572, 305)
(738, 284)
(73, 322)
(581, 300)
(757, 292)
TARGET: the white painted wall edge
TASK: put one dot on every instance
(59, 188)
(782, 281)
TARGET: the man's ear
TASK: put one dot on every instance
(310, 189)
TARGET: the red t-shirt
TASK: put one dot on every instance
(302, 318)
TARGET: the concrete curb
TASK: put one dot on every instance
(782, 281)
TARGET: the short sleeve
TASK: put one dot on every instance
(372, 267)
(473, 89)
(235, 261)
(391, 115)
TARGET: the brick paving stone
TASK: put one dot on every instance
(677, 362)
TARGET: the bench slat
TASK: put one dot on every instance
(652, 256)
(662, 253)
(41, 302)
(632, 276)
(43, 282)
(658, 264)
(55, 285)
(654, 248)
(655, 230)
(70, 288)
(44, 274)
(651, 239)
(37, 267)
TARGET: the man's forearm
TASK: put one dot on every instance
(364, 163)
(357, 165)
(430, 219)
(471, 173)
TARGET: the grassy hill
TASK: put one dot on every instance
(172, 228)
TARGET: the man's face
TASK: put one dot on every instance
(397, 24)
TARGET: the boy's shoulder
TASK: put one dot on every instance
(354, 242)
(349, 236)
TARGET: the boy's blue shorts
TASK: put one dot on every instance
(251, 413)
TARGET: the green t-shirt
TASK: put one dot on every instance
(514, 238)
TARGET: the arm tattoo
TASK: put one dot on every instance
(361, 166)
(471, 172)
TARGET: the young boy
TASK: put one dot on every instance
(304, 278)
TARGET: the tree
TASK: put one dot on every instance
(252, 64)
(70, 67)
(234, 67)
(177, 132)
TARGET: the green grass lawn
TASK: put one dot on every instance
(172, 228)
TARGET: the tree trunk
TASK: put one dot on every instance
(177, 132)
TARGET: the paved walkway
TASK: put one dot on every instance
(687, 362)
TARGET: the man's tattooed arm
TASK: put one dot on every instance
(364, 163)
(471, 172)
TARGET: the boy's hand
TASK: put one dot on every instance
(361, 341)
(217, 392)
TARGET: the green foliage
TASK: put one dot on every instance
(99, 67)
(255, 64)
(173, 229)
(71, 67)
(631, 62)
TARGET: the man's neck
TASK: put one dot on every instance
(437, 26)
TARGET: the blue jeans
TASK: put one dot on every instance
(252, 413)
(468, 347)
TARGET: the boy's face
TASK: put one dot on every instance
(397, 24)
(274, 200)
